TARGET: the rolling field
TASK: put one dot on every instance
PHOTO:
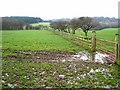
(104, 34)
(107, 34)
(41, 23)
(36, 40)
(37, 59)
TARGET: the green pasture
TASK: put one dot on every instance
(107, 34)
(46, 40)
(41, 23)
(36, 40)
(102, 45)
(25, 72)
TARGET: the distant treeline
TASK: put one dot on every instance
(97, 19)
(106, 22)
(105, 19)
(17, 23)
(12, 24)
(28, 20)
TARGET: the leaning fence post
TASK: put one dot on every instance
(117, 50)
(93, 49)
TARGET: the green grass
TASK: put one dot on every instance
(107, 34)
(41, 23)
(26, 74)
(36, 40)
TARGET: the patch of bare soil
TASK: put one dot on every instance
(39, 55)
(56, 56)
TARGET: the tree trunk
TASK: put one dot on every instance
(86, 34)
(73, 31)
(65, 30)
(68, 30)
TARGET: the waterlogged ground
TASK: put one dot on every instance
(55, 69)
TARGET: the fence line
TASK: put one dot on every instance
(94, 44)
(80, 40)
(103, 45)
(105, 40)
(117, 50)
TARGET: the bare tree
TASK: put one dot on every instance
(61, 25)
(68, 25)
(75, 24)
(54, 25)
(87, 23)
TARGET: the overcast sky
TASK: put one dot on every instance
(52, 9)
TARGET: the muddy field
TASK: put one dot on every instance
(36, 69)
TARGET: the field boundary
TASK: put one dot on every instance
(93, 44)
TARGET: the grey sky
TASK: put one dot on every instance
(51, 9)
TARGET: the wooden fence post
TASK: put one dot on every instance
(117, 49)
(93, 49)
